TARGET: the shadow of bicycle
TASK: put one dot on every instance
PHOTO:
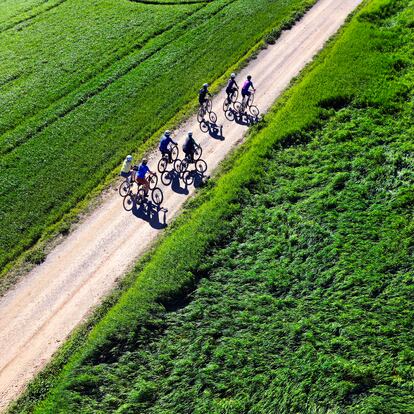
(244, 119)
(154, 215)
(172, 179)
(215, 131)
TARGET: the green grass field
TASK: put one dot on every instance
(301, 301)
(84, 83)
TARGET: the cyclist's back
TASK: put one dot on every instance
(231, 84)
(202, 94)
(165, 142)
(142, 171)
(189, 146)
(246, 86)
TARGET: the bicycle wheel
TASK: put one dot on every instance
(187, 177)
(162, 165)
(226, 105)
(251, 99)
(166, 177)
(124, 188)
(201, 166)
(254, 110)
(213, 117)
(229, 115)
(177, 166)
(200, 114)
(234, 95)
(184, 164)
(174, 152)
(209, 105)
(238, 107)
(140, 197)
(153, 181)
(157, 196)
(204, 126)
(128, 202)
(197, 153)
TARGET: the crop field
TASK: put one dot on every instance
(301, 300)
(84, 83)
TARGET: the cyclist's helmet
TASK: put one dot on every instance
(144, 161)
(206, 85)
(167, 133)
(190, 133)
(233, 75)
(249, 77)
(129, 158)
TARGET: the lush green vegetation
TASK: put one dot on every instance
(301, 300)
(84, 83)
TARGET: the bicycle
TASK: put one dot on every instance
(131, 199)
(125, 187)
(230, 99)
(164, 161)
(182, 166)
(245, 104)
(204, 109)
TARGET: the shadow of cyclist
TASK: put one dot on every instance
(151, 213)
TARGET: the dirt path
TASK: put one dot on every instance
(41, 311)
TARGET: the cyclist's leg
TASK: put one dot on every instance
(143, 182)
(146, 187)
(132, 176)
(232, 94)
(248, 98)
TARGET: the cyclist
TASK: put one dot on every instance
(141, 173)
(202, 94)
(246, 89)
(165, 145)
(126, 167)
(189, 146)
(231, 87)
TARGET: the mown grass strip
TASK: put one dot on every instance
(358, 69)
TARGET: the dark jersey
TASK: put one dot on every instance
(164, 143)
(203, 93)
(230, 85)
(189, 144)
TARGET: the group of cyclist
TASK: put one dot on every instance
(231, 87)
(138, 173)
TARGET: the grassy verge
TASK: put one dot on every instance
(305, 292)
(88, 131)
